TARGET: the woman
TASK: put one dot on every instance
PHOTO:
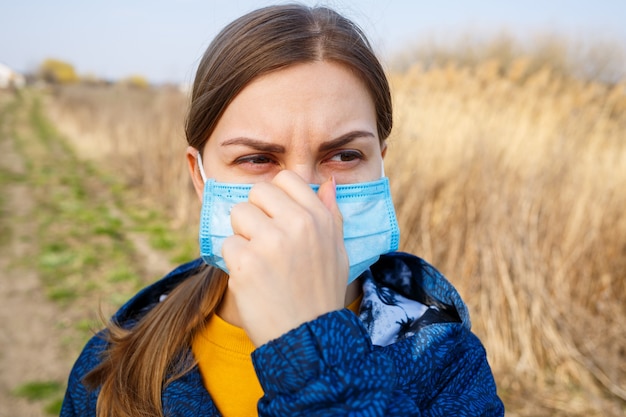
(296, 307)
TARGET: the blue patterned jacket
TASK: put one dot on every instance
(409, 353)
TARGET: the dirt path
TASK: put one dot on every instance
(40, 338)
(29, 323)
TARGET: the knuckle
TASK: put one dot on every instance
(245, 257)
(257, 191)
(276, 243)
(284, 177)
(282, 174)
(304, 222)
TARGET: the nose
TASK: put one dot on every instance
(308, 172)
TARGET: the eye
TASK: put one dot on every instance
(259, 159)
(346, 156)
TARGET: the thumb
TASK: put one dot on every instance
(328, 194)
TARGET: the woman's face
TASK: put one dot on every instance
(316, 119)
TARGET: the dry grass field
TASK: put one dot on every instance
(507, 176)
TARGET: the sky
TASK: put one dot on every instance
(163, 40)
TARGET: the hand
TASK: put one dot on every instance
(287, 260)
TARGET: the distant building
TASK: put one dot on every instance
(10, 79)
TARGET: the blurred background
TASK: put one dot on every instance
(507, 164)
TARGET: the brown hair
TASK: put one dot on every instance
(140, 361)
(273, 38)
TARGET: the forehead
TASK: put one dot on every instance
(320, 95)
(330, 76)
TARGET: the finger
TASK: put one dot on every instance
(297, 189)
(247, 220)
(327, 194)
(276, 199)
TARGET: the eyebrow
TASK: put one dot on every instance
(259, 145)
(344, 139)
(263, 146)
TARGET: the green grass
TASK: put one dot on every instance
(54, 406)
(84, 216)
(38, 390)
(180, 247)
(186, 251)
(83, 220)
(6, 176)
(83, 245)
(5, 228)
(49, 392)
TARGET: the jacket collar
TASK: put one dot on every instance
(402, 294)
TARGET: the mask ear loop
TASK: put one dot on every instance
(382, 168)
(201, 167)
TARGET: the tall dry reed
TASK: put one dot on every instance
(515, 186)
(138, 134)
(510, 178)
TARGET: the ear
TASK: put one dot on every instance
(194, 170)
(383, 149)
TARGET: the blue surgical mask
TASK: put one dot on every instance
(370, 228)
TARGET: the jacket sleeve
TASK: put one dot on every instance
(329, 367)
(79, 400)
(466, 386)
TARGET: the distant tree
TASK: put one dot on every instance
(136, 81)
(57, 72)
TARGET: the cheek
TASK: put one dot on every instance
(366, 172)
(213, 166)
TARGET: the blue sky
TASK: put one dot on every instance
(163, 40)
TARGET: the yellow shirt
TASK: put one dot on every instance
(223, 352)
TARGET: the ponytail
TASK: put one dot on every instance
(139, 362)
